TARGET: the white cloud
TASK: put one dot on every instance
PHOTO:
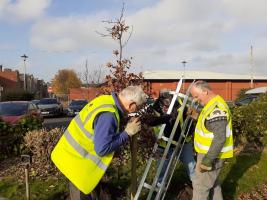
(173, 22)
(20, 10)
(70, 33)
(247, 11)
(210, 35)
(168, 22)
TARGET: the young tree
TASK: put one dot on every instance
(64, 80)
(120, 78)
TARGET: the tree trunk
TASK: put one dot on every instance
(133, 145)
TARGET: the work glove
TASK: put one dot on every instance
(133, 126)
(206, 164)
(193, 113)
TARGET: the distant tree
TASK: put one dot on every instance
(92, 77)
(64, 80)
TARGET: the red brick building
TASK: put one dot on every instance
(12, 80)
(226, 85)
(9, 79)
(83, 93)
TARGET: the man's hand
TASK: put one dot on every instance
(206, 165)
(193, 113)
(133, 126)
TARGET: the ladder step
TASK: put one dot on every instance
(166, 139)
(146, 185)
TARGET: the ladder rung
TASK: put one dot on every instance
(146, 185)
(167, 139)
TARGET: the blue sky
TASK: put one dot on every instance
(211, 35)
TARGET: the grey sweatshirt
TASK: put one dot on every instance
(216, 122)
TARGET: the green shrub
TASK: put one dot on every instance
(11, 136)
(250, 123)
(241, 94)
(17, 95)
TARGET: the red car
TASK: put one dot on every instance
(13, 111)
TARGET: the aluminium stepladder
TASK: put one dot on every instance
(177, 152)
(153, 188)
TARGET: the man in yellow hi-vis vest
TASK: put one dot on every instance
(86, 148)
(213, 141)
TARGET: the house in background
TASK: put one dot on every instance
(10, 79)
(226, 85)
(13, 80)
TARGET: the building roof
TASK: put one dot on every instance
(204, 75)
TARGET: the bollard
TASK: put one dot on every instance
(26, 161)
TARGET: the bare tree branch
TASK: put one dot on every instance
(125, 43)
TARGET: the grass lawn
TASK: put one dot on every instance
(240, 174)
(243, 173)
(50, 189)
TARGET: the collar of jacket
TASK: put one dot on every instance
(115, 97)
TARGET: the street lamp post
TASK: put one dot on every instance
(1, 90)
(184, 62)
(24, 60)
(251, 67)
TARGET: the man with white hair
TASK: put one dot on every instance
(86, 149)
(213, 141)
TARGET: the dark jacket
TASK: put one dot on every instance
(169, 120)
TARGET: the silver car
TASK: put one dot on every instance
(50, 107)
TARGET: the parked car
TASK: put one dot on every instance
(257, 91)
(246, 100)
(251, 95)
(13, 111)
(50, 107)
(35, 101)
(75, 107)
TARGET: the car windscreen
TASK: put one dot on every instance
(48, 101)
(78, 103)
(13, 109)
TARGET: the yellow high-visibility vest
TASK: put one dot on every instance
(75, 156)
(203, 137)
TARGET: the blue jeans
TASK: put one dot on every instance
(186, 157)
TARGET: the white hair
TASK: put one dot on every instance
(135, 94)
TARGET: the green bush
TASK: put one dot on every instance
(11, 136)
(241, 94)
(17, 95)
(250, 123)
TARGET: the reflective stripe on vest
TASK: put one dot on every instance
(83, 152)
(210, 135)
(224, 149)
(79, 122)
(102, 106)
(203, 137)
